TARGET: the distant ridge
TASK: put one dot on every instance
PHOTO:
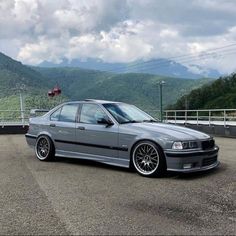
(160, 66)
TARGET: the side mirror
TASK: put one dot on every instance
(105, 121)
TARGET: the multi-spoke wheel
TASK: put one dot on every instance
(44, 148)
(148, 159)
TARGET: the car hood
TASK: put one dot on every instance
(172, 131)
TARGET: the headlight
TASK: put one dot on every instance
(185, 145)
(177, 145)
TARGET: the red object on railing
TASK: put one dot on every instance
(51, 93)
(57, 91)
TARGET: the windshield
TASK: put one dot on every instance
(125, 113)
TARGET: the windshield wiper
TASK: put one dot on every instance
(138, 121)
(151, 120)
(130, 121)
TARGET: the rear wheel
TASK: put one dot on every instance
(148, 160)
(44, 148)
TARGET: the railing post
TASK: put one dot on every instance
(2, 119)
(161, 109)
(224, 118)
(197, 117)
(209, 118)
(22, 109)
(186, 116)
(175, 117)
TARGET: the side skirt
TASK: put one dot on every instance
(103, 159)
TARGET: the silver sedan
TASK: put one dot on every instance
(120, 134)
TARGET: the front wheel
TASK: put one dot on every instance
(44, 148)
(148, 160)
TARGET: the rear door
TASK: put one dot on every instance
(62, 127)
(93, 138)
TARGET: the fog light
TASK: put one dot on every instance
(187, 166)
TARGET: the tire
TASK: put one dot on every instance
(44, 148)
(148, 159)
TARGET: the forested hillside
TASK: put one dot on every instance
(15, 78)
(77, 84)
(219, 94)
(139, 89)
(14, 75)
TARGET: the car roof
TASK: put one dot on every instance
(98, 101)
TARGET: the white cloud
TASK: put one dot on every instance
(118, 30)
(43, 49)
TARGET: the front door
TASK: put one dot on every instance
(93, 138)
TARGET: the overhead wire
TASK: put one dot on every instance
(206, 54)
(167, 63)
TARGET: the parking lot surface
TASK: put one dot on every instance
(82, 197)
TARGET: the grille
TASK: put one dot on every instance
(209, 161)
(208, 144)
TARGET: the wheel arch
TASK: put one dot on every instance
(45, 134)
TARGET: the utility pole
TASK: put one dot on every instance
(22, 109)
(21, 88)
(161, 83)
(186, 102)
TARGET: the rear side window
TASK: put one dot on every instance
(67, 113)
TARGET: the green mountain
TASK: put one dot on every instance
(221, 93)
(139, 89)
(14, 75)
(15, 78)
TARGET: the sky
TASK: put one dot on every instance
(34, 31)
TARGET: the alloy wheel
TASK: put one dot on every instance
(146, 158)
(42, 148)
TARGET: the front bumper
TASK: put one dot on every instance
(192, 161)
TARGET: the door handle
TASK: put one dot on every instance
(52, 125)
(81, 128)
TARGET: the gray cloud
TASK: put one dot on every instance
(205, 17)
(116, 30)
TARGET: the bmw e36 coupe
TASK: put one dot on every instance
(120, 134)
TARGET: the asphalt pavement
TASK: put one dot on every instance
(82, 197)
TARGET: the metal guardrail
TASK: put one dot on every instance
(14, 117)
(224, 117)
(18, 117)
(209, 117)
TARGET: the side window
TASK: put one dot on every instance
(68, 113)
(55, 115)
(91, 113)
